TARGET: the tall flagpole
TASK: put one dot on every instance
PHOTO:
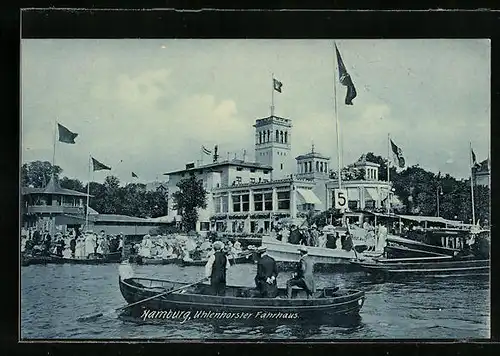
(55, 140)
(88, 197)
(472, 184)
(272, 94)
(388, 174)
(336, 116)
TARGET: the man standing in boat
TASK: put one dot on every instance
(216, 267)
(303, 278)
(267, 273)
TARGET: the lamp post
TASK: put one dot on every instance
(439, 191)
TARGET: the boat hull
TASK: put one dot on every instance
(431, 267)
(237, 260)
(238, 302)
(400, 242)
(92, 260)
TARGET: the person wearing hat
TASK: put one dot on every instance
(303, 278)
(295, 236)
(216, 267)
(267, 273)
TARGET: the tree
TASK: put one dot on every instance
(72, 184)
(188, 199)
(38, 173)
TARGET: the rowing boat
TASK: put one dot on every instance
(198, 302)
(91, 259)
(440, 266)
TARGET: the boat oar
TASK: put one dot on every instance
(98, 315)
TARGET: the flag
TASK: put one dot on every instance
(277, 85)
(98, 166)
(206, 150)
(474, 162)
(66, 135)
(134, 175)
(399, 155)
(345, 79)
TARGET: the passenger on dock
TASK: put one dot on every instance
(90, 244)
(267, 274)
(216, 268)
(295, 235)
(331, 240)
(348, 244)
(314, 235)
(303, 278)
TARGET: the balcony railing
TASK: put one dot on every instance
(55, 209)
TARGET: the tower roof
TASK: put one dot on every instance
(273, 120)
(312, 155)
(53, 187)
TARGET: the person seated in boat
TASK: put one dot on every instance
(72, 246)
(60, 247)
(237, 246)
(331, 240)
(216, 268)
(267, 274)
(303, 278)
(348, 244)
(47, 241)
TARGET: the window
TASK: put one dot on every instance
(277, 135)
(204, 226)
(266, 172)
(252, 170)
(263, 201)
(286, 137)
(253, 226)
(241, 202)
(370, 204)
(238, 180)
(281, 166)
(284, 200)
(260, 136)
(352, 204)
(239, 169)
(317, 166)
(281, 136)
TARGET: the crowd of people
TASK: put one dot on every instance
(72, 244)
(187, 248)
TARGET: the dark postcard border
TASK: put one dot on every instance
(231, 24)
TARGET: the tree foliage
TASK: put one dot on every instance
(190, 196)
(38, 173)
(107, 198)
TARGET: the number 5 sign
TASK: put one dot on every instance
(340, 198)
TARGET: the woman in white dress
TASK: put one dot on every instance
(90, 244)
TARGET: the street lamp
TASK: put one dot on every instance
(439, 191)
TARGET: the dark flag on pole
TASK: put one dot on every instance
(134, 175)
(277, 85)
(206, 150)
(474, 162)
(345, 79)
(66, 135)
(398, 153)
(98, 166)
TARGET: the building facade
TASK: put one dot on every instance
(245, 197)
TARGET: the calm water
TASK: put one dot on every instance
(54, 296)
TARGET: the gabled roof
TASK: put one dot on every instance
(52, 187)
(234, 162)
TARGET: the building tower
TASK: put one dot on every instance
(313, 165)
(273, 145)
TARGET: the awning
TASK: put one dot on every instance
(353, 194)
(371, 194)
(308, 196)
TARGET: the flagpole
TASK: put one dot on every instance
(388, 174)
(88, 197)
(472, 185)
(339, 178)
(54, 150)
(272, 94)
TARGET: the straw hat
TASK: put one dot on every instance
(218, 245)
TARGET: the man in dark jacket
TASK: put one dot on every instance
(72, 246)
(295, 235)
(215, 269)
(267, 273)
(303, 278)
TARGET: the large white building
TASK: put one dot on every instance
(244, 197)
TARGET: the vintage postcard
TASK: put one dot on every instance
(230, 189)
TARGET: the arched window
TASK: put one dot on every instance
(281, 136)
(310, 167)
(326, 167)
(317, 166)
(268, 135)
(260, 136)
(321, 167)
(277, 136)
(286, 137)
